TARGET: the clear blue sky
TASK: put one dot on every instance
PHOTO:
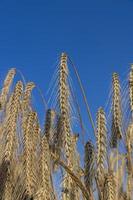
(97, 34)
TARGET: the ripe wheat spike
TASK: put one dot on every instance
(116, 112)
(27, 96)
(6, 87)
(51, 161)
(57, 137)
(49, 123)
(89, 162)
(10, 132)
(101, 145)
(11, 122)
(109, 192)
(64, 105)
(28, 165)
(68, 191)
(45, 169)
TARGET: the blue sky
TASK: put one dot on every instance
(97, 35)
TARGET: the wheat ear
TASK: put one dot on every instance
(36, 140)
(36, 135)
(10, 139)
(6, 87)
(75, 160)
(45, 169)
(64, 105)
(89, 162)
(123, 195)
(116, 111)
(129, 146)
(29, 171)
(12, 121)
(27, 96)
(57, 141)
(101, 144)
(49, 122)
(109, 192)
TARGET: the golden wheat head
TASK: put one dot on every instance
(116, 111)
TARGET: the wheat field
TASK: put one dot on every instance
(45, 163)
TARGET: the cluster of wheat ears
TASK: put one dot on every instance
(31, 156)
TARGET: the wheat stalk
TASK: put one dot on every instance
(87, 195)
